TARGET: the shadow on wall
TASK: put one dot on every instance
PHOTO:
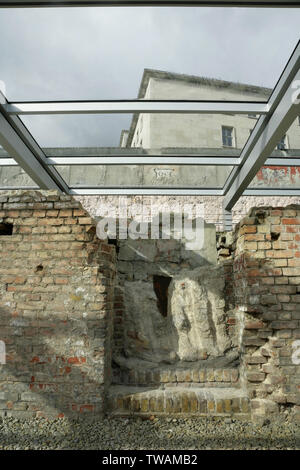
(172, 308)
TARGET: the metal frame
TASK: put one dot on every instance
(284, 108)
(276, 116)
(136, 106)
(154, 160)
(123, 3)
(19, 143)
(144, 191)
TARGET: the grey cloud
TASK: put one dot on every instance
(100, 53)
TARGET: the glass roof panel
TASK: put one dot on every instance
(221, 134)
(167, 176)
(282, 170)
(15, 177)
(81, 130)
(101, 53)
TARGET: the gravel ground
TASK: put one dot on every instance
(144, 434)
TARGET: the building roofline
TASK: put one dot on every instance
(132, 151)
(198, 80)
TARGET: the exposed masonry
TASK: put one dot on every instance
(262, 304)
(263, 284)
(58, 306)
(56, 283)
(213, 211)
(188, 341)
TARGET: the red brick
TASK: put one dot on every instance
(79, 213)
(39, 213)
(254, 237)
(264, 245)
(53, 221)
(279, 254)
(290, 221)
(65, 213)
(52, 213)
(248, 229)
(291, 271)
(254, 273)
(256, 376)
(25, 229)
(254, 325)
(76, 360)
(13, 214)
(85, 221)
(294, 262)
(70, 221)
(60, 280)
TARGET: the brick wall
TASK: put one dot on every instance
(57, 301)
(266, 290)
(56, 307)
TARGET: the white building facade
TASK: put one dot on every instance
(157, 131)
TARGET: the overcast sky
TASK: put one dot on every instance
(100, 53)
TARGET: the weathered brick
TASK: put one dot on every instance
(256, 376)
(85, 221)
(71, 296)
(291, 271)
(279, 254)
(291, 221)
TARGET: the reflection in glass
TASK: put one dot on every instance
(169, 176)
(15, 176)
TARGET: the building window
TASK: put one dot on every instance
(227, 136)
(282, 144)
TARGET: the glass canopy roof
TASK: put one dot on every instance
(100, 53)
(188, 132)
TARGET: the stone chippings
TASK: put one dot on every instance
(143, 434)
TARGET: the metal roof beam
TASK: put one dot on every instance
(18, 142)
(143, 191)
(123, 3)
(154, 160)
(284, 109)
(143, 160)
(136, 106)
